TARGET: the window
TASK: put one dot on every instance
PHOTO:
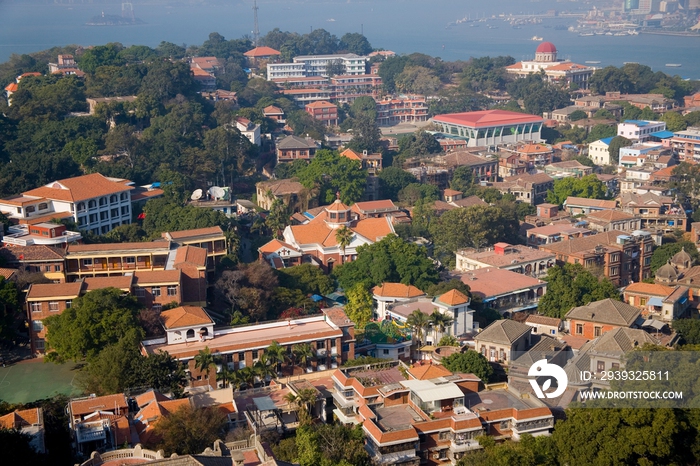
(104, 215)
(82, 220)
(402, 350)
(39, 344)
(190, 333)
(140, 292)
(92, 204)
(386, 351)
(81, 206)
(615, 366)
(597, 331)
(87, 262)
(130, 260)
(172, 290)
(35, 307)
(93, 218)
(123, 196)
(103, 201)
(255, 354)
(69, 303)
(30, 209)
(155, 291)
(552, 332)
(114, 213)
(600, 366)
(157, 307)
(43, 206)
(53, 306)
(37, 325)
(56, 268)
(579, 329)
(113, 198)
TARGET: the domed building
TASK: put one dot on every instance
(682, 260)
(666, 273)
(564, 72)
(546, 52)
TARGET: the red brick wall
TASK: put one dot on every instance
(589, 328)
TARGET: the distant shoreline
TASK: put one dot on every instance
(671, 33)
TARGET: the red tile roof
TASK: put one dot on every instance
(154, 277)
(428, 372)
(397, 290)
(100, 403)
(119, 282)
(21, 418)
(454, 298)
(192, 234)
(262, 52)
(79, 188)
(191, 255)
(54, 290)
(35, 253)
(185, 316)
(485, 118)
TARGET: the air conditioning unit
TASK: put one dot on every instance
(436, 456)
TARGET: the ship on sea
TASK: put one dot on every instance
(127, 18)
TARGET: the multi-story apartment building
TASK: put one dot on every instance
(189, 329)
(324, 111)
(687, 144)
(293, 147)
(520, 259)
(96, 203)
(316, 65)
(47, 260)
(639, 130)
(407, 109)
(655, 211)
(622, 257)
(211, 239)
(103, 260)
(50, 234)
(430, 415)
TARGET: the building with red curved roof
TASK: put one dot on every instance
(564, 72)
(491, 127)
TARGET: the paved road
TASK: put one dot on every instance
(403, 128)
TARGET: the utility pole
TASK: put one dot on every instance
(256, 29)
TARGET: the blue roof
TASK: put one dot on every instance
(606, 141)
(316, 298)
(655, 302)
(662, 134)
(638, 122)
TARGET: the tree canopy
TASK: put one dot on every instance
(588, 186)
(617, 143)
(469, 362)
(189, 430)
(571, 286)
(329, 173)
(664, 253)
(95, 320)
(391, 259)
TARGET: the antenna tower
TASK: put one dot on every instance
(128, 11)
(256, 29)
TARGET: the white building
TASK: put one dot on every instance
(249, 129)
(96, 203)
(315, 65)
(491, 127)
(639, 130)
(599, 151)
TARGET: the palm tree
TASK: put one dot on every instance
(248, 375)
(303, 353)
(265, 368)
(418, 322)
(204, 360)
(439, 322)
(276, 353)
(236, 379)
(224, 375)
(343, 236)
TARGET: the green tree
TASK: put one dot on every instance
(101, 55)
(330, 173)
(331, 445)
(443, 287)
(9, 309)
(391, 259)
(571, 286)
(674, 121)
(303, 354)
(343, 236)
(204, 360)
(359, 306)
(469, 362)
(448, 340)
(589, 187)
(278, 218)
(390, 68)
(462, 178)
(439, 322)
(416, 193)
(366, 134)
(610, 79)
(418, 144)
(664, 253)
(307, 278)
(394, 179)
(189, 430)
(616, 144)
(355, 43)
(689, 330)
(474, 226)
(601, 132)
(578, 115)
(417, 80)
(95, 320)
(621, 436)
(17, 448)
(419, 323)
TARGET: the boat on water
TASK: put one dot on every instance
(673, 65)
(593, 62)
(620, 34)
(586, 34)
(331, 20)
(537, 38)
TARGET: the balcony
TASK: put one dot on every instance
(91, 432)
(321, 352)
(19, 236)
(464, 445)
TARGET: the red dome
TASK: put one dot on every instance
(546, 47)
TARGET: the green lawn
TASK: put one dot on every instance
(34, 380)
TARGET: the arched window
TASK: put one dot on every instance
(123, 197)
(30, 209)
(203, 331)
(540, 291)
(113, 198)
(103, 201)
(92, 204)
(43, 206)
(190, 333)
(81, 206)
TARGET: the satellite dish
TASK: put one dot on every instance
(217, 192)
(196, 195)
